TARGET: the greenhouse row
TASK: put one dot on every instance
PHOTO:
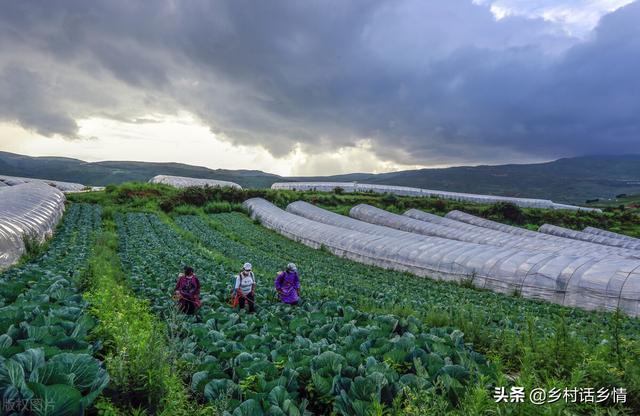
(462, 220)
(409, 191)
(63, 186)
(582, 236)
(311, 212)
(184, 182)
(375, 221)
(463, 217)
(415, 222)
(28, 210)
(587, 282)
(548, 233)
(610, 234)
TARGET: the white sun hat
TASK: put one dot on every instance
(247, 267)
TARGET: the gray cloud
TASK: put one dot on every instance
(427, 82)
(25, 99)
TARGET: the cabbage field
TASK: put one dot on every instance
(46, 355)
(324, 355)
(88, 326)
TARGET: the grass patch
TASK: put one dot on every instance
(34, 247)
(137, 356)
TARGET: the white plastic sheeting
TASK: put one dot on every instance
(481, 222)
(472, 234)
(582, 236)
(63, 186)
(507, 233)
(409, 191)
(316, 186)
(598, 231)
(184, 182)
(574, 281)
(375, 221)
(311, 212)
(88, 189)
(31, 209)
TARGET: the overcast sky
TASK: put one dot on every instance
(320, 87)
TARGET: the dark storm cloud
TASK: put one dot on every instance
(24, 98)
(427, 82)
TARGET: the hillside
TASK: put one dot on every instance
(569, 180)
(106, 173)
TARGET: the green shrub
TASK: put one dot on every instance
(506, 211)
(222, 206)
(33, 246)
(185, 210)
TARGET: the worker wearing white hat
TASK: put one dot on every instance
(245, 288)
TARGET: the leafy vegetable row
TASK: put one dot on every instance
(46, 363)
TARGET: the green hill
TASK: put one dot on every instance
(105, 173)
(571, 180)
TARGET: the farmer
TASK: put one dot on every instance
(187, 291)
(287, 284)
(245, 287)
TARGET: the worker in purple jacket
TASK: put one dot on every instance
(287, 284)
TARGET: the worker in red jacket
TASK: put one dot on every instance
(187, 291)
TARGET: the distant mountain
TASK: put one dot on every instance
(570, 180)
(105, 173)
